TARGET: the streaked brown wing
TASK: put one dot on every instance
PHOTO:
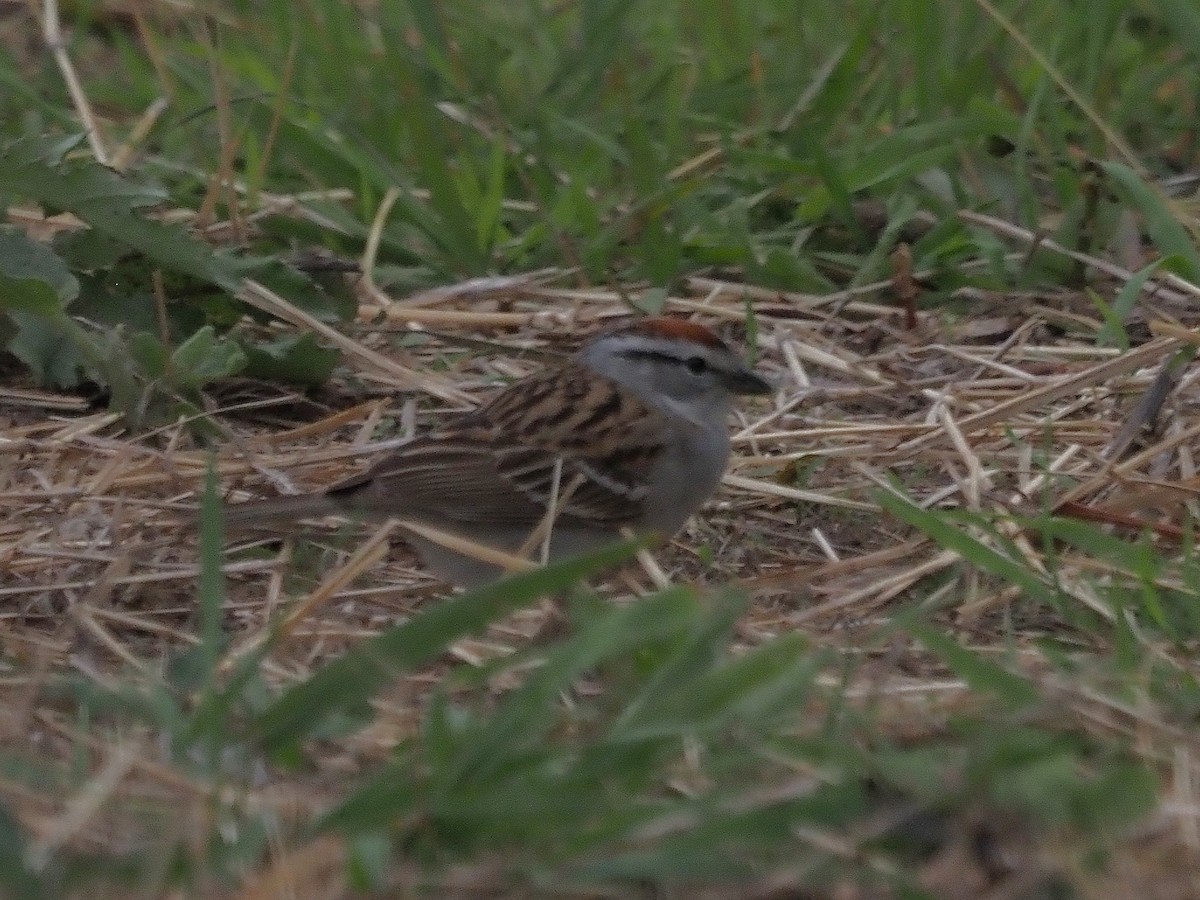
(583, 491)
(498, 465)
(440, 477)
(606, 439)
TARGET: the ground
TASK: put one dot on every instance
(998, 408)
(936, 636)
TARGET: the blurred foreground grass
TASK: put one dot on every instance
(624, 143)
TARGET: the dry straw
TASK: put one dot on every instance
(1000, 411)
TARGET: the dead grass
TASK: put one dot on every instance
(1008, 407)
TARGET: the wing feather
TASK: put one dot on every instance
(504, 458)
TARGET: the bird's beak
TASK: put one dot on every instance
(744, 381)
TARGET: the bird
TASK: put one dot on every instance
(629, 435)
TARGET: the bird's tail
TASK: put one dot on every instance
(280, 509)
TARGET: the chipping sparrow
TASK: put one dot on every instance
(630, 433)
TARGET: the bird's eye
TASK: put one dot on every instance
(696, 365)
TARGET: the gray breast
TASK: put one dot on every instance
(687, 476)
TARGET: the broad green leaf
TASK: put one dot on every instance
(294, 358)
(35, 287)
(203, 358)
(32, 295)
(86, 250)
(48, 347)
(34, 170)
(148, 352)
(32, 276)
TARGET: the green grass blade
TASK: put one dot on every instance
(1162, 222)
(941, 528)
(348, 683)
(981, 674)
